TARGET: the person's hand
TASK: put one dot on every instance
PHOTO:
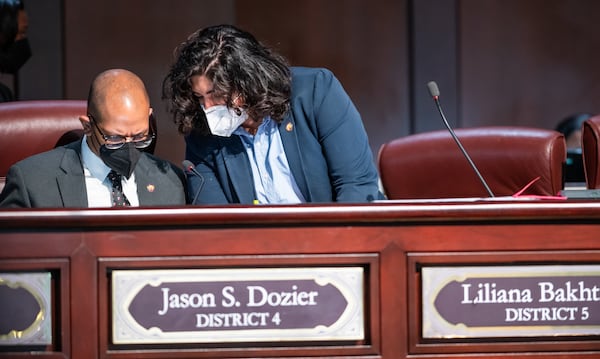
(23, 21)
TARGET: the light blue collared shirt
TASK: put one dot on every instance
(273, 180)
(98, 187)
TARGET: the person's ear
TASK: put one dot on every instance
(87, 125)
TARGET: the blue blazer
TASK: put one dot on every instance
(324, 141)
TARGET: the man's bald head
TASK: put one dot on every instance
(116, 91)
(118, 104)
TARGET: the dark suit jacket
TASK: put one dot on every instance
(324, 141)
(55, 179)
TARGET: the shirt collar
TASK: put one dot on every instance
(92, 162)
(264, 126)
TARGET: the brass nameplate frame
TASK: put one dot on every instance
(511, 301)
(238, 305)
(25, 309)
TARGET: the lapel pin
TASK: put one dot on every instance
(289, 127)
(150, 188)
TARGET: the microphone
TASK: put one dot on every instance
(190, 168)
(434, 91)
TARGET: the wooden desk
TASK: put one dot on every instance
(390, 241)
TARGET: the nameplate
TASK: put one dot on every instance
(238, 305)
(511, 301)
(25, 309)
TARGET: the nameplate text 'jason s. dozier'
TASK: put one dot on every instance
(323, 302)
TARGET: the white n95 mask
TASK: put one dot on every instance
(223, 121)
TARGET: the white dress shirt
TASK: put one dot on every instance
(98, 187)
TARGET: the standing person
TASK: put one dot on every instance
(108, 167)
(14, 45)
(259, 131)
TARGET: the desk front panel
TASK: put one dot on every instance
(388, 244)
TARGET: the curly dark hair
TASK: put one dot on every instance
(236, 63)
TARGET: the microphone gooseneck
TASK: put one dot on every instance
(435, 94)
(190, 168)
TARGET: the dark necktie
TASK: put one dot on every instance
(118, 197)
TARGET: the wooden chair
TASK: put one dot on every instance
(30, 127)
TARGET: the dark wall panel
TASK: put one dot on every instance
(498, 62)
(433, 54)
(139, 35)
(363, 43)
(528, 63)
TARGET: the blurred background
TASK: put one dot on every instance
(497, 62)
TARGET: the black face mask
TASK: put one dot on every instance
(123, 160)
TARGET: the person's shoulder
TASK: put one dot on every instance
(310, 73)
(308, 82)
(163, 165)
(311, 78)
(50, 158)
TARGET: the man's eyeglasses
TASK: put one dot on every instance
(114, 142)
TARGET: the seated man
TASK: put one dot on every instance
(108, 167)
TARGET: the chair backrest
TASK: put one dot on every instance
(30, 127)
(430, 165)
(590, 147)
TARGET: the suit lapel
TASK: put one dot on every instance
(70, 178)
(289, 139)
(238, 170)
(155, 187)
(149, 193)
